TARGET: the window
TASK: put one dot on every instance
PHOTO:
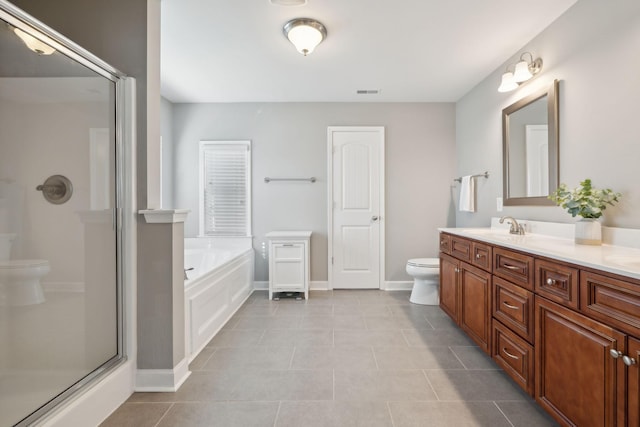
(225, 191)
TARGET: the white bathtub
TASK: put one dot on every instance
(221, 280)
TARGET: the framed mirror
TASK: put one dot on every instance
(530, 143)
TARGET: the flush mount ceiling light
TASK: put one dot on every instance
(524, 70)
(39, 47)
(305, 34)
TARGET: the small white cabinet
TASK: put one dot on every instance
(289, 262)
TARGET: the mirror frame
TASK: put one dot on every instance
(553, 140)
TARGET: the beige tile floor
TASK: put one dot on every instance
(342, 358)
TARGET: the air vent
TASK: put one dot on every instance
(289, 2)
(367, 91)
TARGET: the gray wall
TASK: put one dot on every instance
(593, 50)
(290, 140)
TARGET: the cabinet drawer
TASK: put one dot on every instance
(445, 243)
(557, 282)
(513, 306)
(288, 250)
(514, 355)
(613, 301)
(513, 266)
(481, 255)
(461, 248)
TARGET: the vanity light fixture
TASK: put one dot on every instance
(38, 46)
(305, 34)
(524, 70)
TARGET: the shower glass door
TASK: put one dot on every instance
(60, 322)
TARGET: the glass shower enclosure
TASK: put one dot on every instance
(60, 231)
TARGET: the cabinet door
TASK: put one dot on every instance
(633, 378)
(449, 286)
(288, 267)
(577, 380)
(475, 304)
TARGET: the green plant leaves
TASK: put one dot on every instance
(584, 200)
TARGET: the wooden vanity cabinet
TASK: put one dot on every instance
(465, 295)
(568, 335)
(577, 380)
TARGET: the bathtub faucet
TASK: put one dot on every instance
(514, 227)
(185, 273)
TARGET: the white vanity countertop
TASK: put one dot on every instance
(288, 235)
(614, 259)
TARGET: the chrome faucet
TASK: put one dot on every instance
(514, 227)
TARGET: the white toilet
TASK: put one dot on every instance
(20, 279)
(426, 280)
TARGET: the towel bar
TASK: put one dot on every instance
(486, 175)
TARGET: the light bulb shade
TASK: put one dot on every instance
(522, 73)
(39, 47)
(508, 83)
(305, 34)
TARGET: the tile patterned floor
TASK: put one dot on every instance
(342, 358)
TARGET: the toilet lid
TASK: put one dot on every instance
(22, 263)
(424, 262)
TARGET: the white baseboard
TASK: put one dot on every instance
(94, 406)
(162, 380)
(319, 285)
(398, 285)
(260, 285)
(314, 285)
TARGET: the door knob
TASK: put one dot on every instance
(375, 218)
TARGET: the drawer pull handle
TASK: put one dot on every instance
(511, 267)
(615, 353)
(513, 356)
(551, 281)
(288, 245)
(512, 307)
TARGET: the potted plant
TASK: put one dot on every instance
(588, 203)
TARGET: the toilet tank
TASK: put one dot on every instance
(6, 240)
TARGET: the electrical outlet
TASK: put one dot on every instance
(499, 204)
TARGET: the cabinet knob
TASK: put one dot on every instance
(478, 256)
(551, 281)
(629, 361)
(375, 218)
(615, 353)
(457, 270)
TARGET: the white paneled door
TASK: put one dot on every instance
(356, 241)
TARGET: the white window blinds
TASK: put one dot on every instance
(225, 191)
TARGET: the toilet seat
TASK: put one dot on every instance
(424, 262)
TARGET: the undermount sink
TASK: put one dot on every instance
(624, 260)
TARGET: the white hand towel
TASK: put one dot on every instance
(467, 194)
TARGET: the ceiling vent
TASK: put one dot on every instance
(288, 2)
(367, 91)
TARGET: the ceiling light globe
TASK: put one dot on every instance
(39, 47)
(305, 34)
(508, 83)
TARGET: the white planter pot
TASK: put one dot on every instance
(588, 232)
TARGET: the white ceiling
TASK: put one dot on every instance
(410, 50)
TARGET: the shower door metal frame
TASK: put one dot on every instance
(19, 19)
